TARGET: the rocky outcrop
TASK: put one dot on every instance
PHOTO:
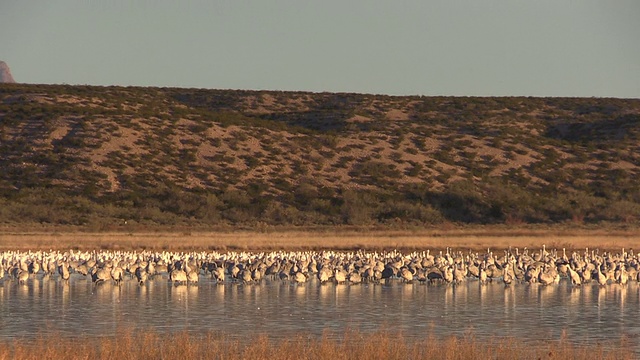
(5, 73)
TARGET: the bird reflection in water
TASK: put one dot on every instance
(482, 292)
(340, 291)
(300, 291)
(449, 297)
(192, 291)
(619, 294)
(218, 293)
(23, 290)
(545, 293)
(460, 293)
(509, 299)
(576, 293)
(602, 299)
(179, 292)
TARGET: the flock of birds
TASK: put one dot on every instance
(450, 267)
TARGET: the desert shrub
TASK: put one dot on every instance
(277, 213)
(621, 210)
(415, 169)
(359, 207)
(405, 212)
(374, 172)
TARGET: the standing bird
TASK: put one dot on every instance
(23, 276)
(141, 275)
(459, 275)
(117, 274)
(576, 280)
(218, 274)
(447, 275)
(482, 274)
(193, 276)
(340, 276)
(100, 275)
(406, 274)
(507, 274)
(299, 277)
(355, 278)
(178, 276)
(324, 274)
(623, 276)
(245, 276)
(63, 270)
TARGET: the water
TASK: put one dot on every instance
(586, 315)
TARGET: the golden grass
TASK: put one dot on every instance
(476, 239)
(352, 345)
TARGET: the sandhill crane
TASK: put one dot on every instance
(324, 274)
(447, 275)
(473, 269)
(234, 271)
(44, 266)
(587, 272)
(433, 274)
(193, 276)
(273, 270)
(546, 277)
(388, 272)
(602, 278)
(23, 276)
(532, 273)
(340, 276)
(245, 276)
(178, 276)
(459, 274)
(406, 274)
(34, 267)
(100, 275)
(82, 269)
(576, 280)
(117, 274)
(141, 275)
(623, 276)
(299, 277)
(63, 270)
(355, 278)
(507, 274)
(482, 275)
(218, 274)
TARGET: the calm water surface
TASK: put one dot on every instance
(587, 315)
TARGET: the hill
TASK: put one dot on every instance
(102, 156)
(5, 73)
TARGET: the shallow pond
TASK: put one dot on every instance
(586, 315)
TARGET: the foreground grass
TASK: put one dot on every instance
(352, 345)
(477, 239)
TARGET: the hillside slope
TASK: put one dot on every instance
(99, 156)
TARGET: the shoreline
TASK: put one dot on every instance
(345, 239)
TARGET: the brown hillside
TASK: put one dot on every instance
(158, 155)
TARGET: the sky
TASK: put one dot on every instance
(583, 48)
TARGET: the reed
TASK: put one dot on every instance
(351, 345)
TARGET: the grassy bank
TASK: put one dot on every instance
(352, 345)
(477, 239)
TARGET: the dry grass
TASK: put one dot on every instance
(475, 239)
(352, 345)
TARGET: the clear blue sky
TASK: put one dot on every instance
(446, 47)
